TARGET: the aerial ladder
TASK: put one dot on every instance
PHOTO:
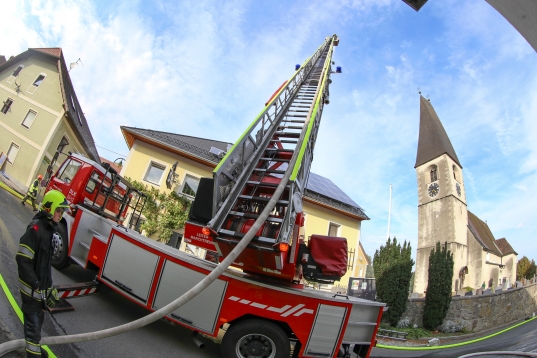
(245, 180)
(257, 188)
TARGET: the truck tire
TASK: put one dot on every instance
(255, 338)
(60, 247)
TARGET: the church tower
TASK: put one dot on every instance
(442, 212)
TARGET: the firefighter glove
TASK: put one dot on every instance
(53, 297)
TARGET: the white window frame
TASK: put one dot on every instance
(13, 144)
(26, 116)
(33, 88)
(182, 186)
(12, 77)
(75, 109)
(156, 164)
(64, 135)
(338, 226)
(9, 108)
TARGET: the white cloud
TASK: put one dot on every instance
(206, 68)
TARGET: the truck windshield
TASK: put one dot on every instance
(68, 170)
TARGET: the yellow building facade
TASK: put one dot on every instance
(40, 114)
(152, 155)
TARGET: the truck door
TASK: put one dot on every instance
(64, 178)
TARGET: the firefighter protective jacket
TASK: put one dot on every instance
(33, 189)
(34, 256)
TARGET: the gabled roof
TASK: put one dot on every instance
(505, 247)
(433, 140)
(72, 107)
(482, 233)
(193, 148)
(197, 149)
(116, 167)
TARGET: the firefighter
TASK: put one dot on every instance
(34, 266)
(32, 192)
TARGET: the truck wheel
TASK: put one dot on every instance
(255, 338)
(60, 246)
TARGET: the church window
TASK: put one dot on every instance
(434, 175)
(456, 173)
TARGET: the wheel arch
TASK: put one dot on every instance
(283, 325)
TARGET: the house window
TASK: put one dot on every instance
(15, 74)
(333, 229)
(190, 186)
(7, 105)
(12, 152)
(154, 173)
(17, 71)
(29, 119)
(63, 143)
(37, 83)
(434, 175)
(75, 110)
(361, 274)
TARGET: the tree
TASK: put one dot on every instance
(438, 295)
(163, 212)
(393, 267)
(369, 271)
(525, 268)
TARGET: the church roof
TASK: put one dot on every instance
(319, 189)
(483, 235)
(505, 247)
(433, 140)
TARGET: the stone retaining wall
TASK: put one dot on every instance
(482, 312)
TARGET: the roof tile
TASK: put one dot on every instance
(505, 247)
(482, 233)
(433, 139)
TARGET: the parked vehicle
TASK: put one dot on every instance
(266, 308)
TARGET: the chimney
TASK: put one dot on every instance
(2, 60)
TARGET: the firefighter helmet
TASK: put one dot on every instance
(52, 200)
(40, 177)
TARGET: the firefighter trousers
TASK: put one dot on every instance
(33, 321)
(32, 200)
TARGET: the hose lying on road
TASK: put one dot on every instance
(187, 296)
(455, 344)
(500, 353)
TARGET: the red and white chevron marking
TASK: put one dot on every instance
(76, 293)
(285, 311)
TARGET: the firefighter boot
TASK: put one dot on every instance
(33, 321)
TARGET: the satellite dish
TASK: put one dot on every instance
(74, 64)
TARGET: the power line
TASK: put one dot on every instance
(110, 150)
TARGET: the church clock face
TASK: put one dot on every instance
(458, 187)
(433, 190)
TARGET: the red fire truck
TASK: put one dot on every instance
(265, 306)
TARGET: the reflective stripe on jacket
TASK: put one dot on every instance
(33, 189)
(34, 256)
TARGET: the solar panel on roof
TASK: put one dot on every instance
(324, 186)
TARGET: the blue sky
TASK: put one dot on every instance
(205, 68)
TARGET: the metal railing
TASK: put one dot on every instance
(235, 168)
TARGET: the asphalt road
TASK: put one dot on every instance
(92, 313)
(160, 339)
(520, 339)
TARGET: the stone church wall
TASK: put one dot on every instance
(481, 312)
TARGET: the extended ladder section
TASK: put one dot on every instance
(247, 177)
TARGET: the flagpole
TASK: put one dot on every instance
(390, 211)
